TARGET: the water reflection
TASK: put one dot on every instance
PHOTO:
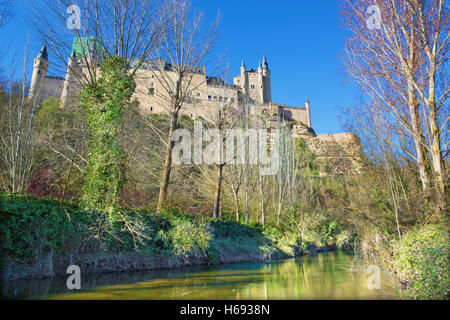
(325, 276)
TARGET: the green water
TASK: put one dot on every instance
(334, 275)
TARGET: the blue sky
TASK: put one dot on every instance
(302, 41)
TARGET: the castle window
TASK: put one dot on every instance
(226, 99)
(220, 99)
(151, 109)
(253, 86)
(192, 116)
(151, 91)
(215, 98)
(198, 94)
(232, 99)
(209, 98)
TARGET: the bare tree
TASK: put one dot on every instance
(387, 63)
(17, 138)
(433, 30)
(184, 46)
(82, 34)
(224, 122)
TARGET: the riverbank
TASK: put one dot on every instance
(322, 276)
(42, 237)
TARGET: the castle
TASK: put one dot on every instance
(340, 152)
(252, 87)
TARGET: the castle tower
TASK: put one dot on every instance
(71, 86)
(266, 82)
(308, 112)
(40, 68)
(244, 79)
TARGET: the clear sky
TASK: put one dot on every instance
(302, 40)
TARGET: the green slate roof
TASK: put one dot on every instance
(84, 46)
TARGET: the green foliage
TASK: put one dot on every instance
(159, 117)
(105, 103)
(29, 226)
(422, 260)
(190, 237)
(308, 163)
(50, 114)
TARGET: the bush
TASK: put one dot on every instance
(29, 226)
(191, 238)
(422, 262)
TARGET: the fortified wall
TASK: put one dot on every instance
(337, 154)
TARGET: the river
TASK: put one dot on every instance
(333, 275)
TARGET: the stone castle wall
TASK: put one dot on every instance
(52, 88)
(338, 154)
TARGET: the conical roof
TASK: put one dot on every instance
(43, 54)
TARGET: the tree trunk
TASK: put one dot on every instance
(165, 178)
(236, 201)
(216, 210)
(279, 208)
(261, 191)
(236, 207)
(418, 140)
(436, 154)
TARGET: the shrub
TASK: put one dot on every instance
(29, 226)
(422, 262)
(191, 237)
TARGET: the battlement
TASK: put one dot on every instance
(340, 138)
(286, 106)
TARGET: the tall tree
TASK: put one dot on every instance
(18, 118)
(98, 36)
(386, 59)
(185, 46)
(105, 103)
(433, 30)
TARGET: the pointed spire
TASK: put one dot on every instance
(260, 65)
(43, 54)
(243, 64)
(307, 100)
(265, 64)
